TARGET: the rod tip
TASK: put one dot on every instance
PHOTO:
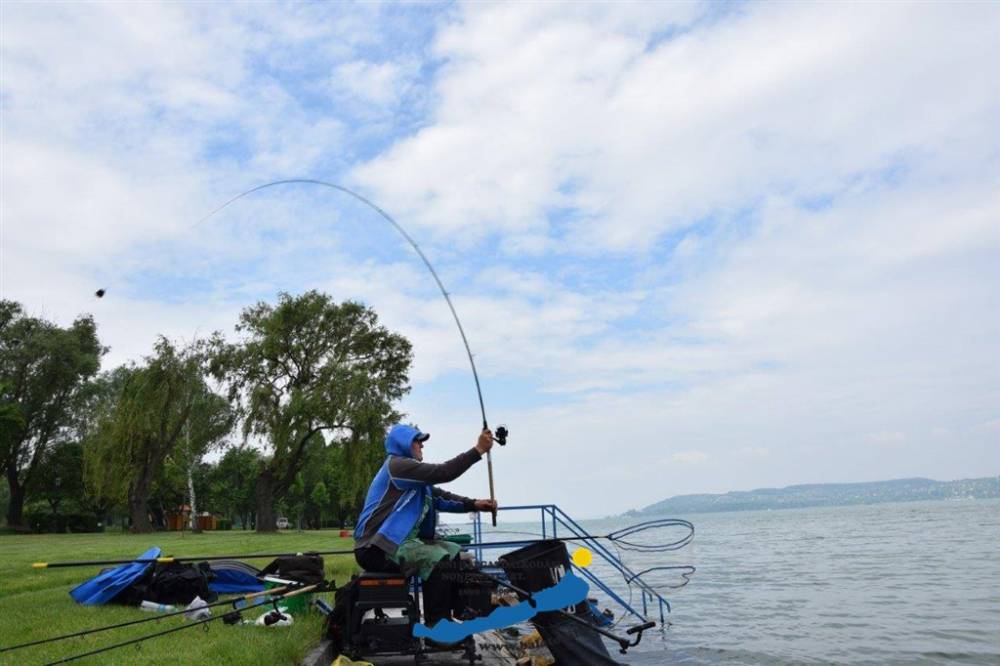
(40, 565)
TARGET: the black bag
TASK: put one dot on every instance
(306, 569)
(171, 583)
(336, 622)
(542, 565)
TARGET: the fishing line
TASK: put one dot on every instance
(409, 239)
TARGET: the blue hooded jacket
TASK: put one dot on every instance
(396, 496)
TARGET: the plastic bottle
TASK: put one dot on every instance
(153, 607)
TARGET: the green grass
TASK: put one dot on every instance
(35, 604)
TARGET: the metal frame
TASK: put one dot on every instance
(551, 512)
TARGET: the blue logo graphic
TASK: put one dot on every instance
(568, 591)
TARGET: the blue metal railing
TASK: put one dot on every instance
(559, 518)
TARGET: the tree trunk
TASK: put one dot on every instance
(138, 508)
(194, 512)
(159, 520)
(266, 521)
(15, 507)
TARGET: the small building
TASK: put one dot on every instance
(180, 520)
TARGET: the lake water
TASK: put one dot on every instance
(907, 583)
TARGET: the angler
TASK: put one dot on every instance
(395, 531)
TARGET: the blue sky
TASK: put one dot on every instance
(696, 247)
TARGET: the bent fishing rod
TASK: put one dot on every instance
(156, 618)
(501, 434)
(107, 648)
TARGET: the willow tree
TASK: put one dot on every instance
(306, 366)
(148, 410)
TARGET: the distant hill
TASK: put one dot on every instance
(827, 494)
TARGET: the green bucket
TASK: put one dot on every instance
(297, 604)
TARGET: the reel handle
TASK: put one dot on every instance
(638, 629)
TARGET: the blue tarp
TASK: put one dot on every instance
(234, 578)
(106, 585)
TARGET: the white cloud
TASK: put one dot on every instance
(541, 109)
(379, 84)
(677, 227)
(888, 438)
(688, 457)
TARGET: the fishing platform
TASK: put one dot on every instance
(506, 646)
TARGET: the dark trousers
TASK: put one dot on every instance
(441, 590)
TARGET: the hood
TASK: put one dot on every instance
(400, 438)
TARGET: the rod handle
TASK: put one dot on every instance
(641, 627)
(301, 590)
(493, 497)
(262, 593)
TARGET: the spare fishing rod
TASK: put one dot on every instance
(192, 558)
(626, 538)
(280, 597)
(155, 618)
(501, 434)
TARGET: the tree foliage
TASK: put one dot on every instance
(43, 370)
(61, 479)
(148, 408)
(231, 484)
(304, 366)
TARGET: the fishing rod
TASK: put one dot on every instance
(501, 435)
(280, 597)
(624, 538)
(155, 618)
(193, 558)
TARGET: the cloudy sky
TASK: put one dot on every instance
(696, 247)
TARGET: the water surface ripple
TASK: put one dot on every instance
(908, 583)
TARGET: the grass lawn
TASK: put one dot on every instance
(35, 604)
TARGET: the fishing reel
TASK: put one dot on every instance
(500, 437)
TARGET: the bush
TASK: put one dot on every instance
(83, 522)
(43, 522)
(46, 522)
